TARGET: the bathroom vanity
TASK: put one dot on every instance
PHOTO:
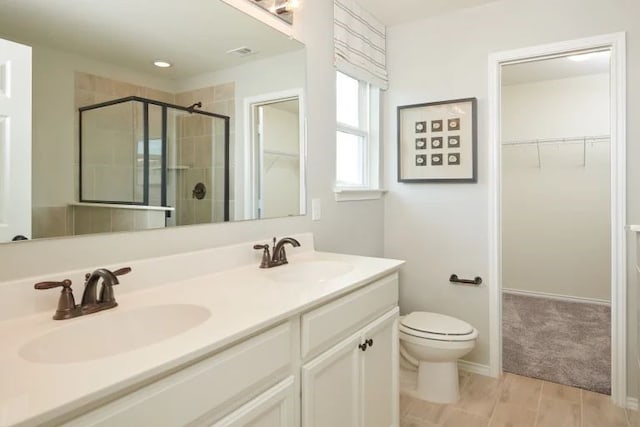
(311, 343)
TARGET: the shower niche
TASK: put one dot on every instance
(146, 155)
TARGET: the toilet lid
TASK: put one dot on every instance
(435, 323)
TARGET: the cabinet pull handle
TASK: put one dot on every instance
(370, 342)
(363, 347)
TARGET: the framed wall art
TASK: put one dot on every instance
(437, 141)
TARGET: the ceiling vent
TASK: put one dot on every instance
(241, 51)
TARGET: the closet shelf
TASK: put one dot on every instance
(566, 140)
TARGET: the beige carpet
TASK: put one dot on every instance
(559, 341)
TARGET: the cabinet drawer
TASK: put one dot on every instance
(273, 408)
(180, 398)
(324, 326)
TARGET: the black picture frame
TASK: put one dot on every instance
(462, 112)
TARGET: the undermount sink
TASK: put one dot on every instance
(310, 271)
(108, 334)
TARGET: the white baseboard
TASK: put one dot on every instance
(556, 296)
(632, 403)
(474, 368)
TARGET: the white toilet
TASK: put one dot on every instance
(433, 343)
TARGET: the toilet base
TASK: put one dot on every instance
(438, 382)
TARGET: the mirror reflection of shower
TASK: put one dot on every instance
(150, 156)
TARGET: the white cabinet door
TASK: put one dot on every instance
(273, 408)
(15, 140)
(380, 373)
(347, 386)
(331, 387)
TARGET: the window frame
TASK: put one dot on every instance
(369, 118)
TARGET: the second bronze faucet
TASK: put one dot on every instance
(279, 256)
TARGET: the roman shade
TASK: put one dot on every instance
(360, 43)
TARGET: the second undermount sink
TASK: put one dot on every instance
(310, 271)
(89, 338)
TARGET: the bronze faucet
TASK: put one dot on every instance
(67, 307)
(279, 256)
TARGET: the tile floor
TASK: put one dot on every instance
(515, 401)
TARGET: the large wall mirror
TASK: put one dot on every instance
(96, 138)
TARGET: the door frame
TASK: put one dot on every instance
(616, 42)
(250, 103)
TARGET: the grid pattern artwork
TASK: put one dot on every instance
(437, 141)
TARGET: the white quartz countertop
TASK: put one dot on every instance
(242, 301)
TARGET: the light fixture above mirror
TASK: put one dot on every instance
(283, 9)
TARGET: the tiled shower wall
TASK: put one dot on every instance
(90, 219)
(200, 154)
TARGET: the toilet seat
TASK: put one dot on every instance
(437, 327)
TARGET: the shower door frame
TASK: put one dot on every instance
(164, 105)
(252, 169)
(616, 43)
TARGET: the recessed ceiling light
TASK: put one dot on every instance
(162, 64)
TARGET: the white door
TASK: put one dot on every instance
(331, 387)
(380, 379)
(15, 140)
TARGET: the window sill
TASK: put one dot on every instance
(355, 194)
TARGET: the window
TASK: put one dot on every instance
(357, 137)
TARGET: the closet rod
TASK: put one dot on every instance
(570, 140)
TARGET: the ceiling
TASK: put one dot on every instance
(556, 68)
(392, 12)
(193, 35)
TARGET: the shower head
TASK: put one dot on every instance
(192, 107)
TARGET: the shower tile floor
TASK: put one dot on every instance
(513, 401)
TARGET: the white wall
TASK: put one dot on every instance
(575, 106)
(349, 227)
(443, 228)
(555, 216)
(345, 227)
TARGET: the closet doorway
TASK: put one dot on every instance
(556, 240)
(557, 214)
